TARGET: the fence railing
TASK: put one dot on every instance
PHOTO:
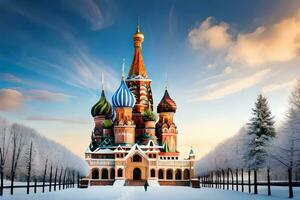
(231, 180)
(60, 184)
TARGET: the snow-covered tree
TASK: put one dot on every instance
(287, 151)
(261, 131)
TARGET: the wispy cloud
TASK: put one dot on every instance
(57, 119)
(44, 95)
(277, 86)
(98, 15)
(70, 60)
(13, 100)
(10, 78)
(225, 88)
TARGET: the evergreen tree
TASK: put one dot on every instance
(260, 132)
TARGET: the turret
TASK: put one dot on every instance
(123, 101)
(139, 83)
(166, 130)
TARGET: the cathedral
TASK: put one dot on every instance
(130, 143)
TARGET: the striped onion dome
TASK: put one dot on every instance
(123, 97)
(102, 107)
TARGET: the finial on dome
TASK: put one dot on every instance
(102, 81)
(166, 81)
(123, 66)
(138, 25)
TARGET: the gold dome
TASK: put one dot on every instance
(138, 35)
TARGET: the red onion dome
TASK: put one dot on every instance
(166, 104)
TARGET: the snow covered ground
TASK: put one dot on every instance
(136, 193)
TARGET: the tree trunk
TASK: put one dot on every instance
(255, 181)
(242, 180)
(232, 183)
(2, 181)
(249, 181)
(269, 183)
(291, 192)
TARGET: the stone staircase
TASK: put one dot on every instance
(134, 183)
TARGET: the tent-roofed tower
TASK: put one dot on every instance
(139, 83)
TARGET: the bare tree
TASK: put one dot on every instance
(5, 141)
(17, 145)
(288, 142)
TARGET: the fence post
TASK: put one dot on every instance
(269, 183)
(249, 180)
(242, 180)
(35, 185)
(77, 179)
(50, 181)
(55, 179)
(255, 181)
(223, 174)
(291, 192)
(227, 179)
(237, 179)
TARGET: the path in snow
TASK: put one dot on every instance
(137, 193)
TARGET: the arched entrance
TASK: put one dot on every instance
(137, 174)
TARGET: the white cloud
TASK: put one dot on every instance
(10, 100)
(228, 70)
(277, 86)
(226, 88)
(277, 42)
(208, 35)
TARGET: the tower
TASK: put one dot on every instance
(139, 83)
(123, 101)
(166, 129)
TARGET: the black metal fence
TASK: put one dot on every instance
(234, 180)
(59, 183)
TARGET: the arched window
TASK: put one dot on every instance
(136, 158)
(112, 173)
(170, 174)
(104, 173)
(178, 174)
(95, 174)
(120, 172)
(186, 174)
(161, 174)
(152, 173)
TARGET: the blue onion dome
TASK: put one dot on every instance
(123, 97)
(102, 107)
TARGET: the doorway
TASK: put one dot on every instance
(137, 174)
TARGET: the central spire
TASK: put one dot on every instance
(137, 69)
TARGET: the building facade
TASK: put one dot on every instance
(128, 143)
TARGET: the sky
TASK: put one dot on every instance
(218, 56)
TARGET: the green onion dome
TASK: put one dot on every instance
(102, 107)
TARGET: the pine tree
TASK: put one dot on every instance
(260, 133)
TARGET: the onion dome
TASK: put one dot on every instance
(138, 36)
(123, 97)
(102, 107)
(166, 104)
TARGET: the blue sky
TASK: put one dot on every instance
(218, 56)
